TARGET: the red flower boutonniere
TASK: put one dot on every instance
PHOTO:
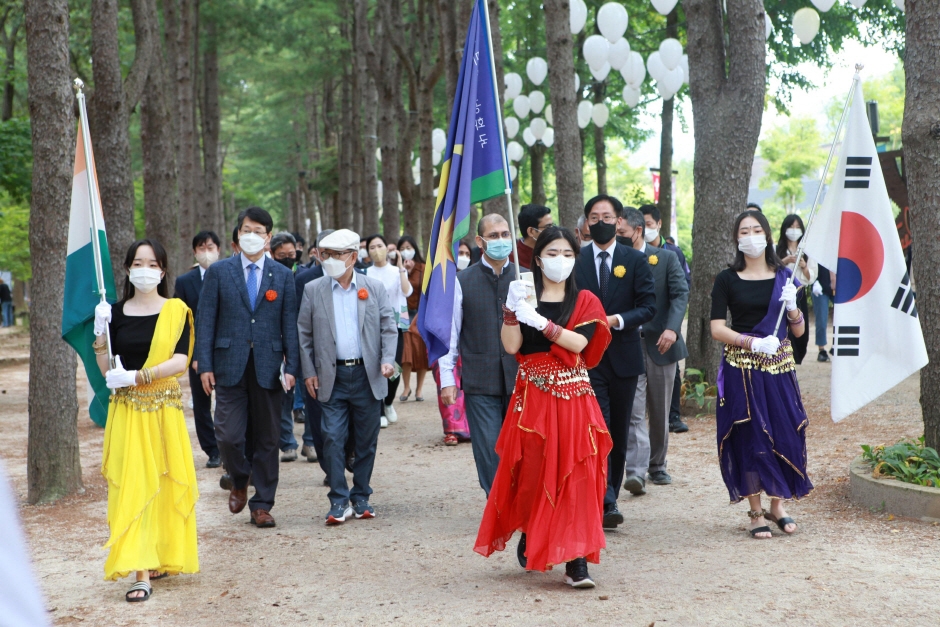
(363, 293)
(270, 295)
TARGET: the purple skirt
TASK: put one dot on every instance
(761, 425)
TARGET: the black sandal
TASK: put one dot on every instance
(159, 575)
(781, 522)
(140, 586)
(754, 515)
(520, 552)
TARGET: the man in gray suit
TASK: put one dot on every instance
(246, 331)
(348, 339)
(663, 347)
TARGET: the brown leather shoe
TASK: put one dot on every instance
(237, 499)
(262, 518)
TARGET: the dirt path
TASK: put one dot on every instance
(682, 559)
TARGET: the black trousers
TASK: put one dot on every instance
(393, 384)
(202, 414)
(674, 414)
(249, 409)
(615, 396)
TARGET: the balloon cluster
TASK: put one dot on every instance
(523, 105)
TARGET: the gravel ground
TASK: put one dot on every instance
(683, 558)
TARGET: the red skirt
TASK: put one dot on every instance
(552, 472)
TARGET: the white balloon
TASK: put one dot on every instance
(768, 27)
(512, 126)
(600, 114)
(858, 3)
(578, 16)
(536, 102)
(601, 75)
(631, 96)
(664, 91)
(577, 83)
(899, 4)
(806, 25)
(436, 158)
(416, 175)
(537, 70)
(521, 106)
(513, 171)
(612, 21)
(595, 51)
(664, 7)
(528, 137)
(684, 64)
(438, 139)
(655, 66)
(549, 137)
(670, 52)
(513, 84)
(673, 80)
(548, 114)
(634, 71)
(584, 113)
(378, 155)
(538, 127)
(515, 151)
(619, 54)
(824, 5)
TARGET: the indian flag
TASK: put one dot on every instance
(82, 267)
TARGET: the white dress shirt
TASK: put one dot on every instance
(247, 262)
(346, 319)
(597, 250)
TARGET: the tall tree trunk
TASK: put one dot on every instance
(13, 18)
(345, 213)
(665, 144)
(921, 134)
(537, 164)
(600, 147)
(313, 156)
(427, 189)
(211, 217)
(109, 131)
(180, 55)
(727, 72)
(53, 466)
(407, 134)
(330, 144)
(568, 178)
(368, 139)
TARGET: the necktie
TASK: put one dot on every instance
(604, 273)
(252, 285)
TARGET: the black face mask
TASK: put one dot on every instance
(626, 241)
(287, 262)
(603, 232)
(298, 255)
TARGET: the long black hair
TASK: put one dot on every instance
(782, 248)
(546, 237)
(419, 258)
(163, 289)
(770, 256)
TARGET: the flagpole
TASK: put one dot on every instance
(502, 138)
(93, 204)
(822, 182)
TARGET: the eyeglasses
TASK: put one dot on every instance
(335, 254)
(492, 237)
(594, 219)
(261, 232)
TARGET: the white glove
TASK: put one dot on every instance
(767, 345)
(118, 377)
(788, 296)
(817, 289)
(517, 294)
(102, 317)
(526, 314)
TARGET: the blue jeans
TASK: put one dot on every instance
(821, 310)
(287, 441)
(7, 307)
(485, 416)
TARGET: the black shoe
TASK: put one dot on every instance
(677, 426)
(326, 481)
(214, 461)
(350, 460)
(660, 477)
(520, 552)
(299, 416)
(636, 485)
(822, 355)
(576, 574)
(612, 517)
(225, 482)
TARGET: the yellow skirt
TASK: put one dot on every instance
(152, 491)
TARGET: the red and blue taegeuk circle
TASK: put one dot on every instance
(861, 258)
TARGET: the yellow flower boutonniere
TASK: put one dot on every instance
(653, 259)
(619, 272)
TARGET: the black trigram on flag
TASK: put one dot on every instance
(847, 341)
(904, 298)
(857, 177)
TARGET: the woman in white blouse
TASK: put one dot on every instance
(806, 271)
(395, 279)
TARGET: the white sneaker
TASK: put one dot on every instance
(391, 414)
(383, 422)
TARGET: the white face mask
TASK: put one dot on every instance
(557, 269)
(794, 234)
(393, 256)
(463, 262)
(752, 245)
(363, 254)
(251, 243)
(408, 254)
(585, 243)
(651, 235)
(206, 259)
(334, 267)
(145, 279)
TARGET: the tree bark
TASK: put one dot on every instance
(537, 164)
(53, 466)
(368, 138)
(345, 212)
(921, 133)
(109, 131)
(665, 144)
(211, 215)
(12, 16)
(727, 71)
(179, 28)
(568, 178)
(600, 147)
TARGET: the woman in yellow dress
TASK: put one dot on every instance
(147, 457)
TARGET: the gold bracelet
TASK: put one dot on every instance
(100, 349)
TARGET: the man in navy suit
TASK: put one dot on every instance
(188, 286)
(620, 277)
(246, 331)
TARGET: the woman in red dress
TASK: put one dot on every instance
(553, 447)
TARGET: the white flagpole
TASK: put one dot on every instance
(93, 204)
(502, 138)
(822, 182)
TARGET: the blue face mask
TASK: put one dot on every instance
(499, 249)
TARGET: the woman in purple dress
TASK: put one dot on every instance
(761, 420)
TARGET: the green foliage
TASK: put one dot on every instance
(792, 151)
(14, 237)
(888, 91)
(909, 461)
(696, 389)
(16, 158)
